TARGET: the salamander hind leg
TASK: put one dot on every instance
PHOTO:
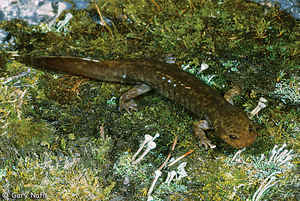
(126, 100)
(230, 94)
(199, 128)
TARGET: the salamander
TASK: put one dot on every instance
(230, 123)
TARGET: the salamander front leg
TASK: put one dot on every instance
(199, 128)
(126, 100)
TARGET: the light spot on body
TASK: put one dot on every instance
(87, 59)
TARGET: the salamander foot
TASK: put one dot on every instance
(126, 100)
(128, 106)
(199, 128)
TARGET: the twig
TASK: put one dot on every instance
(181, 157)
(103, 21)
(169, 155)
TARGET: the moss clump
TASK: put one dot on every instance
(244, 44)
(63, 178)
(26, 132)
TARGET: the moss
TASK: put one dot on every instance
(62, 116)
(66, 179)
(25, 132)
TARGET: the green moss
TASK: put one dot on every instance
(58, 178)
(25, 132)
(244, 44)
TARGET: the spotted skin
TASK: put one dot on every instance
(230, 123)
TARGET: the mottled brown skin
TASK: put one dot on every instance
(230, 123)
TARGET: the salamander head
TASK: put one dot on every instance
(236, 130)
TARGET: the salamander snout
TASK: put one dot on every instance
(238, 131)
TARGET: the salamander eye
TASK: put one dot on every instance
(251, 128)
(233, 137)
